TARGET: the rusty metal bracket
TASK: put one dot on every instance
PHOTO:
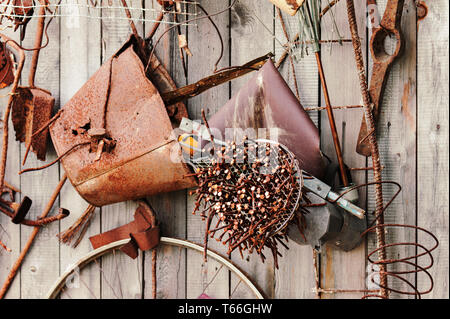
(382, 63)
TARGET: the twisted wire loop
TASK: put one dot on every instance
(411, 261)
(414, 266)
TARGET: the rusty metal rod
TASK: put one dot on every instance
(373, 144)
(37, 44)
(30, 241)
(155, 25)
(130, 19)
(332, 122)
(8, 108)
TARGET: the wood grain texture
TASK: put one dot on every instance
(396, 131)
(80, 57)
(432, 141)
(339, 269)
(250, 18)
(41, 266)
(205, 54)
(295, 278)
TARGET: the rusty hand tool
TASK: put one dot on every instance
(382, 63)
(214, 80)
(30, 241)
(18, 211)
(33, 106)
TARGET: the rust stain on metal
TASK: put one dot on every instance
(31, 109)
(140, 163)
(6, 67)
(23, 11)
(422, 11)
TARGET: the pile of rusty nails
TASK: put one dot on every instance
(252, 197)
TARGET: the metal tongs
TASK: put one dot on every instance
(194, 155)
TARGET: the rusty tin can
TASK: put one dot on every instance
(146, 159)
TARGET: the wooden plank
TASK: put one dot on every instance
(41, 266)
(170, 207)
(80, 58)
(295, 278)
(121, 276)
(397, 144)
(10, 233)
(250, 18)
(201, 64)
(339, 269)
(432, 147)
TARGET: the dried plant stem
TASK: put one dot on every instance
(80, 224)
(30, 241)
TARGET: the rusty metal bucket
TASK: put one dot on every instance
(266, 101)
(123, 102)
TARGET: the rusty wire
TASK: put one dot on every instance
(206, 16)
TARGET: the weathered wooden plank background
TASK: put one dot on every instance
(412, 131)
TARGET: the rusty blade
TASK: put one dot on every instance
(382, 63)
(201, 86)
(31, 108)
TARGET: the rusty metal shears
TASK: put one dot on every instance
(382, 61)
